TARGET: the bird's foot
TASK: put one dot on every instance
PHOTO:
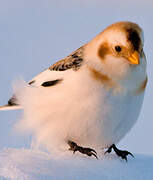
(120, 153)
(88, 151)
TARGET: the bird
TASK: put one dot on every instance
(92, 98)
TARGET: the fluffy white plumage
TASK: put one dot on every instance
(95, 100)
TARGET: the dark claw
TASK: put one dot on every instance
(88, 151)
(123, 154)
(109, 150)
(131, 154)
(92, 150)
(94, 155)
(120, 153)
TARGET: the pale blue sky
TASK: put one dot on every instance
(36, 33)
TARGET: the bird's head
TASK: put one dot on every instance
(118, 51)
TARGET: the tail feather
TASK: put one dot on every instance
(9, 107)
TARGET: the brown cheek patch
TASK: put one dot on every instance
(102, 78)
(142, 86)
(103, 50)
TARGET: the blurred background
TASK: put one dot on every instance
(36, 33)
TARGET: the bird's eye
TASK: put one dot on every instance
(118, 48)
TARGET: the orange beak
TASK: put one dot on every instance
(134, 58)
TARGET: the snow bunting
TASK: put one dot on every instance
(92, 97)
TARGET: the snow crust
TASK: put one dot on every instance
(27, 164)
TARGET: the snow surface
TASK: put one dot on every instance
(27, 164)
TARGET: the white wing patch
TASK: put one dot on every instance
(54, 75)
(48, 76)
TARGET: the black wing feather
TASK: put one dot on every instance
(51, 83)
(73, 61)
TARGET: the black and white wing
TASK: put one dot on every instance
(55, 73)
(51, 76)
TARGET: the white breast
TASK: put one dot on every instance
(78, 109)
(103, 117)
